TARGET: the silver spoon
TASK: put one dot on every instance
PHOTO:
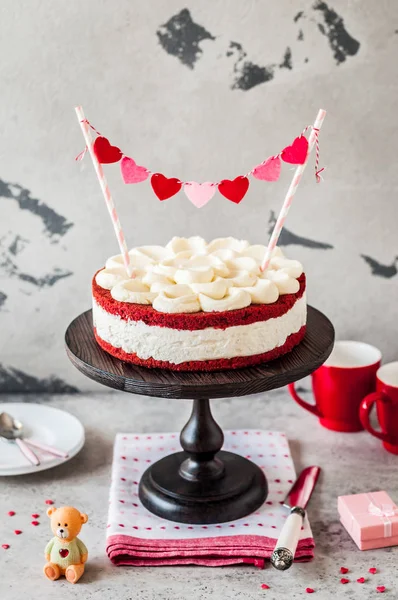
(11, 429)
(17, 427)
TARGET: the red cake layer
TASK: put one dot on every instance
(206, 365)
(199, 320)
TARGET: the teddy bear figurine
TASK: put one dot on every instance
(65, 553)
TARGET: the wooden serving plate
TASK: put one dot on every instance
(202, 484)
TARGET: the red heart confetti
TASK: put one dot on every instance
(343, 570)
(35, 516)
(309, 590)
(361, 580)
(165, 187)
(264, 586)
(235, 189)
(131, 172)
(268, 170)
(344, 580)
(50, 502)
(106, 153)
(296, 154)
(381, 589)
(35, 523)
(17, 532)
(11, 513)
(373, 570)
(5, 546)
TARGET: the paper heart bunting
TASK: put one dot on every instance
(164, 187)
(296, 154)
(199, 193)
(131, 172)
(106, 153)
(268, 170)
(234, 189)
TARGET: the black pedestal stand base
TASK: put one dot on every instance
(203, 485)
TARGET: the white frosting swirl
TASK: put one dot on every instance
(134, 291)
(189, 275)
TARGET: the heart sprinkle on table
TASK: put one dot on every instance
(343, 580)
(35, 523)
(381, 589)
(5, 546)
(35, 516)
(49, 501)
(11, 513)
(17, 532)
(264, 586)
(309, 590)
(343, 570)
(361, 580)
(373, 570)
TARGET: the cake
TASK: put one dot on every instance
(198, 306)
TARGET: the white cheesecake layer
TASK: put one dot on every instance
(177, 346)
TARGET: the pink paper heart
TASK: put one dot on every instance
(131, 172)
(269, 170)
(199, 193)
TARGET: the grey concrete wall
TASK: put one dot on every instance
(203, 90)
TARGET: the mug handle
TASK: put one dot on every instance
(364, 414)
(312, 408)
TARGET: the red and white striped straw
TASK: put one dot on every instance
(292, 190)
(105, 190)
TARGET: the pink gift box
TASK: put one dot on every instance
(371, 519)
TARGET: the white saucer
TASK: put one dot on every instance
(45, 424)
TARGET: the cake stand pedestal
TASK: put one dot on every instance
(202, 484)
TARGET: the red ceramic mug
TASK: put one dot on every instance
(340, 385)
(386, 400)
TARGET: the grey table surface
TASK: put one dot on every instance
(351, 463)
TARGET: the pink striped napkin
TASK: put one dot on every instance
(137, 537)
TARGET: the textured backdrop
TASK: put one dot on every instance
(203, 91)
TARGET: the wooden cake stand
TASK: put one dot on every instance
(203, 484)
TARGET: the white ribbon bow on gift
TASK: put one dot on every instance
(384, 511)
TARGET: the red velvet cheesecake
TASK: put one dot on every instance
(193, 306)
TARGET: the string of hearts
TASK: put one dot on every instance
(201, 193)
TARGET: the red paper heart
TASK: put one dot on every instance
(268, 170)
(296, 154)
(234, 190)
(131, 172)
(106, 153)
(63, 552)
(164, 187)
